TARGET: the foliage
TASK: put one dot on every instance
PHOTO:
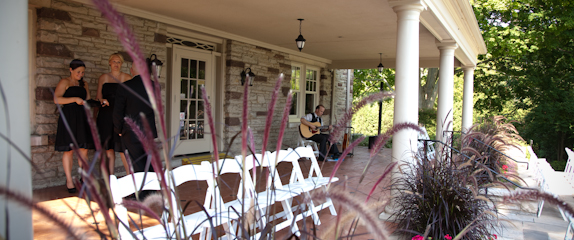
(487, 141)
(366, 120)
(529, 68)
(365, 84)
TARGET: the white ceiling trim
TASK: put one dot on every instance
(467, 41)
(206, 30)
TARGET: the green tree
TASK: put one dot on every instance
(366, 120)
(529, 68)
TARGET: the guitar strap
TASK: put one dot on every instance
(316, 119)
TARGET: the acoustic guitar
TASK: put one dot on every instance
(307, 132)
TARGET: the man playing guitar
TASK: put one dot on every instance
(320, 138)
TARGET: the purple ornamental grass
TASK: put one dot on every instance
(270, 110)
(370, 220)
(251, 140)
(150, 148)
(284, 122)
(387, 171)
(207, 106)
(130, 43)
(244, 121)
(539, 195)
(351, 146)
(382, 140)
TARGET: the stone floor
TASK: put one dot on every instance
(524, 224)
(75, 211)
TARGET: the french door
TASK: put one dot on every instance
(192, 70)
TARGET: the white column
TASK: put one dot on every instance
(467, 98)
(406, 79)
(445, 91)
(14, 118)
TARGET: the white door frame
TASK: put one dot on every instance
(190, 146)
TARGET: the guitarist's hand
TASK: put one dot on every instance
(314, 127)
(330, 128)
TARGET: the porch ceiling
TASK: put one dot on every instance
(344, 34)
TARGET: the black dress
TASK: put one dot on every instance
(77, 120)
(110, 139)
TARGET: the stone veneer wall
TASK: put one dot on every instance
(267, 64)
(340, 92)
(66, 30)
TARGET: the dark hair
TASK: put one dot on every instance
(76, 63)
(319, 106)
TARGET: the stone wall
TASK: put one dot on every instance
(66, 30)
(267, 64)
(340, 92)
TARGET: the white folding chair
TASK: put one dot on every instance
(125, 186)
(569, 170)
(570, 229)
(297, 182)
(184, 226)
(242, 204)
(216, 214)
(274, 193)
(315, 179)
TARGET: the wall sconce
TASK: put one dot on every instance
(247, 74)
(300, 40)
(156, 63)
(381, 67)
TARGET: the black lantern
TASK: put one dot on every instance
(300, 40)
(156, 63)
(247, 74)
(381, 67)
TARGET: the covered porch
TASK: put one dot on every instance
(230, 38)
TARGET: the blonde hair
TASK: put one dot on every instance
(116, 55)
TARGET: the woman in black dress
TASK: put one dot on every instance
(70, 94)
(106, 94)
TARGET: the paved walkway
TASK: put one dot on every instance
(523, 224)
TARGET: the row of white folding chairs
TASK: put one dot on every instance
(183, 226)
(218, 212)
(547, 180)
(298, 185)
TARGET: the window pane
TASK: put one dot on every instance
(193, 69)
(293, 110)
(184, 67)
(200, 129)
(201, 70)
(191, 130)
(192, 112)
(200, 110)
(184, 90)
(182, 107)
(193, 88)
(309, 103)
(295, 77)
(200, 84)
(182, 130)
